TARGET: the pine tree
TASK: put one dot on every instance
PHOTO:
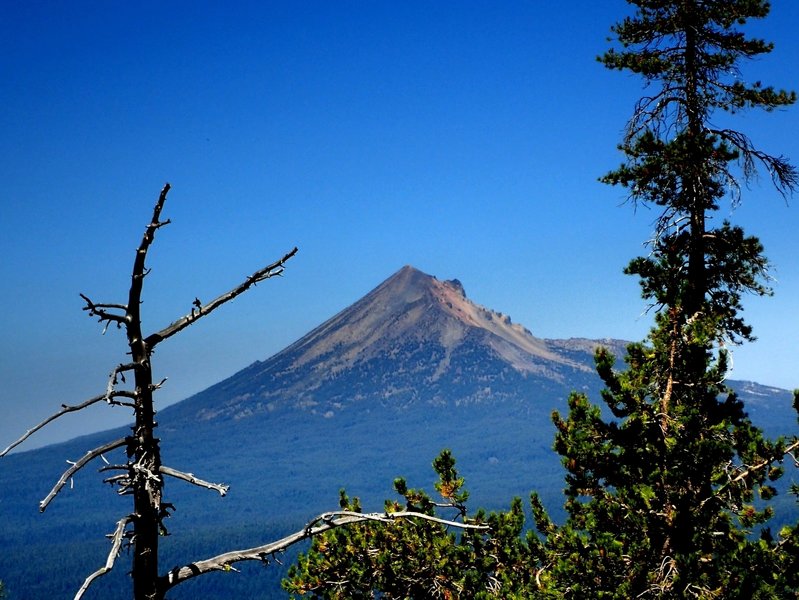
(416, 558)
(663, 483)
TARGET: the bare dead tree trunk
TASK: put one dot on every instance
(142, 475)
(145, 470)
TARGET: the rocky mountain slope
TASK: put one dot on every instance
(412, 341)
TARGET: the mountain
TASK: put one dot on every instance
(412, 341)
(373, 393)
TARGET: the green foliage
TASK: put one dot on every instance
(412, 558)
(662, 499)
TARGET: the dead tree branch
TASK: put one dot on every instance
(219, 487)
(320, 524)
(64, 410)
(116, 544)
(143, 474)
(273, 270)
(102, 311)
(108, 397)
(113, 378)
(77, 466)
(139, 271)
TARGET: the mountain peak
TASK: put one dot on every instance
(414, 307)
(409, 282)
(407, 279)
(412, 337)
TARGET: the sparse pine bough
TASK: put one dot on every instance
(662, 498)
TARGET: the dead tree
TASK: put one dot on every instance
(142, 476)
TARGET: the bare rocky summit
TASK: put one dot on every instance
(413, 339)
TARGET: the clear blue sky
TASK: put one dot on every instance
(462, 138)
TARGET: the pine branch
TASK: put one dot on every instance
(747, 472)
(743, 474)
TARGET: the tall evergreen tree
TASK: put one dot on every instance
(661, 486)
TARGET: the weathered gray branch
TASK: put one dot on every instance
(219, 487)
(116, 544)
(77, 466)
(64, 410)
(276, 268)
(320, 524)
